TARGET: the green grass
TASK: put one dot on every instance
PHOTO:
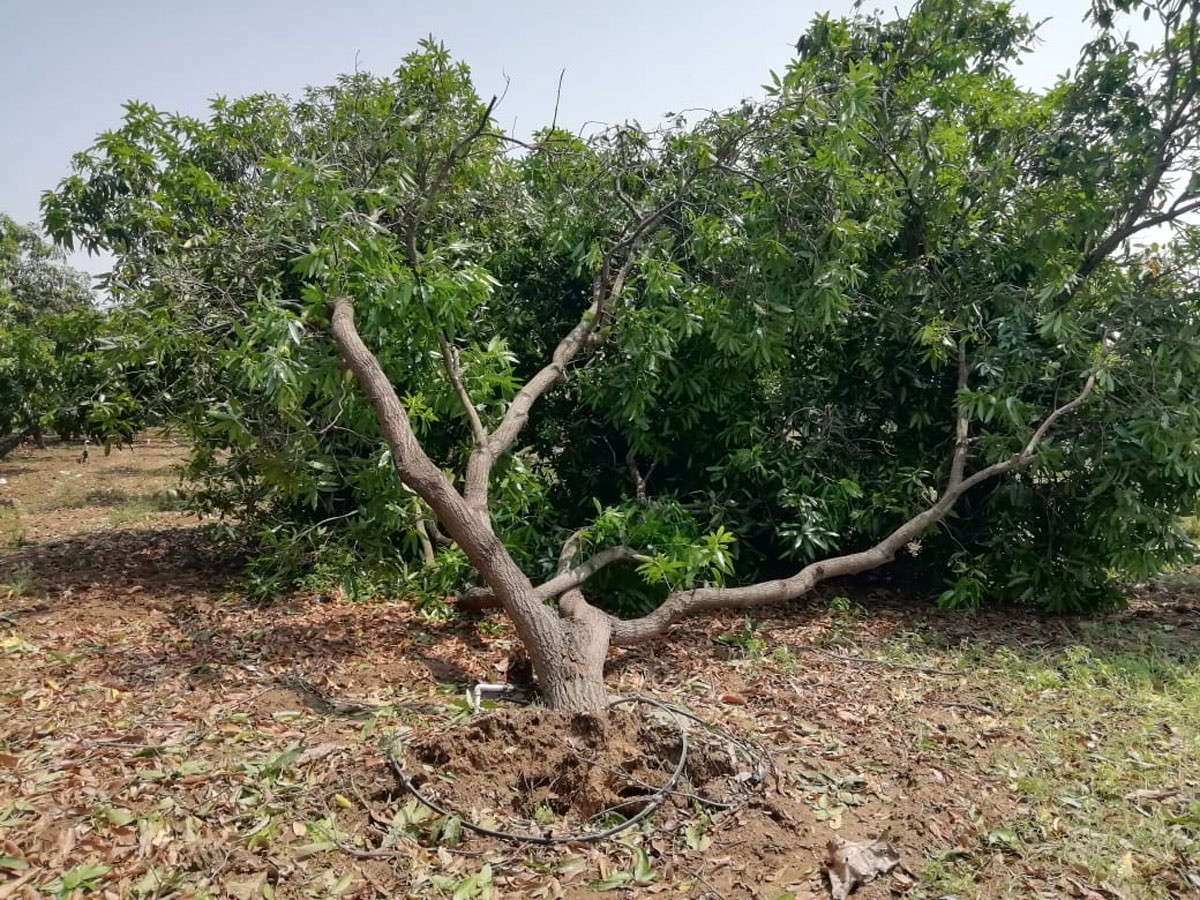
(1106, 764)
(142, 508)
(18, 583)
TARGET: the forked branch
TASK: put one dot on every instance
(566, 580)
(607, 286)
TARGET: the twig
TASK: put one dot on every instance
(711, 887)
(557, 98)
(343, 847)
(972, 707)
(865, 661)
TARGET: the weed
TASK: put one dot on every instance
(20, 583)
(747, 640)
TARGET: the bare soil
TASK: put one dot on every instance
(183, 742)
(577, 766)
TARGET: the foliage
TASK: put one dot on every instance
(61, 366)
(782, 374)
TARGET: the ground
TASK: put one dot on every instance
(162, 736)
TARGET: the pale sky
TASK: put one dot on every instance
(66, 66)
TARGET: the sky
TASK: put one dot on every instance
(66, 66)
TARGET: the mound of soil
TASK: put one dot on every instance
(549, 765)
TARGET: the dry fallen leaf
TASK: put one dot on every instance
(1160, 794)
(853, 863)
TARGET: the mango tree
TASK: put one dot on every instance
(818, 325)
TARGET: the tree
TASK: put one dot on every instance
(896, 294)
(42, 302)
(66, 365)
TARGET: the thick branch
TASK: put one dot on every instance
(685, 603)
(472, 533)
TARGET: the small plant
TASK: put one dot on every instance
(844, 609)
(747, 639)
(19, 582)
(84, 878)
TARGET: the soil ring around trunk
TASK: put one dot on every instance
(549, 776)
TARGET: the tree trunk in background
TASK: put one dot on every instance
(11, 442)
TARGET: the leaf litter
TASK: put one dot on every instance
(163, 738)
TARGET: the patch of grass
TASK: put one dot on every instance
(19, 583)
(12, 528)
(1105, 764)
(143, 508)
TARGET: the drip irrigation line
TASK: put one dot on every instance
(655, 801)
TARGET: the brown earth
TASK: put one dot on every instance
(188, 743)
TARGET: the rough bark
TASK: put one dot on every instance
(536, 625)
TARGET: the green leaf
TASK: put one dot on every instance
(643, 873)
(613, 881)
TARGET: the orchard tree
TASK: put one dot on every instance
(899, 292)
(51, 375)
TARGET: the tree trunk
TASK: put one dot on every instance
(11, 442)
(574, 678)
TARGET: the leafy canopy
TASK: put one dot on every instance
(896, 230)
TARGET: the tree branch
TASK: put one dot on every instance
(962, 426)
(684, 603)
(1176, 121)
(473, 533)
(570, 578)
(450, 360)
(606, 287)
(439, 180)
(567, 579)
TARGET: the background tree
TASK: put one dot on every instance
(822, 322)
(58, 371)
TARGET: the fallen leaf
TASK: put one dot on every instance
(1160, 794)
(852, 863)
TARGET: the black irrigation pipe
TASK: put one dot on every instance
(655, 801)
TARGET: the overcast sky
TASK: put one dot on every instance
(66, 66)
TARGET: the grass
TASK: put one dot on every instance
(1102, 754)
(1106, 764)
(18, 583)
(142, 508)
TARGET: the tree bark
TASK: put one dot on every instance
(577, 681)
(11, 442)
(557, 652)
